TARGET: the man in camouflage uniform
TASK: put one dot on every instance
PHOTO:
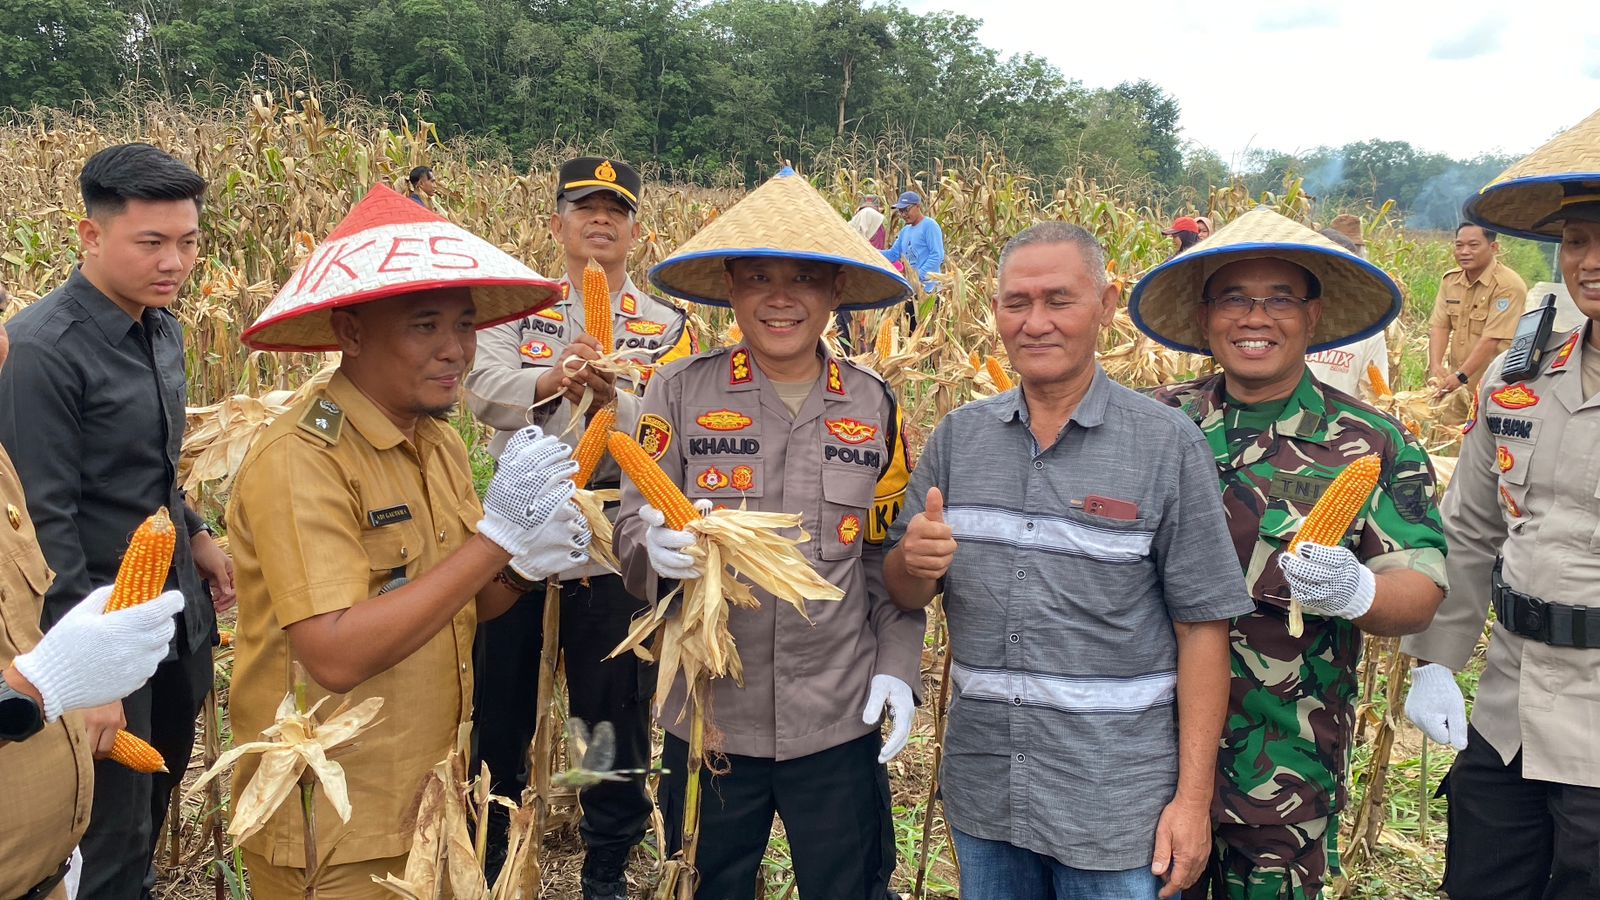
(1261, 293)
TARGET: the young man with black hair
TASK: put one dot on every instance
(423, 185)
(92, 413)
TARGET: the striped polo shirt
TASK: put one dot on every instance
(1072, 564)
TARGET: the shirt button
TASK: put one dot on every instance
(1015, 638)
(441, 537)
(1021, 574)
(1016, 701)
(14, 516)
(403, 553)
(1038, 464)
(1021, 758)
(1030, 526)
(463, 667)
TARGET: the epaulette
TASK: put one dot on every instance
(1558, 349)
(861, 368)
(671, 369)
(324, 419)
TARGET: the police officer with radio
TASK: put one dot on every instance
(1522, 517)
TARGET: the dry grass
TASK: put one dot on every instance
(284, 170)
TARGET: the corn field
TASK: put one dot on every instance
(284, 167)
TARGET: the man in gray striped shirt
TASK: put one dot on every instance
(1075, 529)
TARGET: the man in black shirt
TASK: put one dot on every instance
(92, 413)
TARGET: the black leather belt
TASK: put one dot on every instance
(43, 888)
(1556, 624)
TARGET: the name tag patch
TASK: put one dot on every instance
(1513, 428)
(1297, 488)
(378, 518)
(723, 446)
(871, 459)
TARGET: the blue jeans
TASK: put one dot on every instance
(996, 870)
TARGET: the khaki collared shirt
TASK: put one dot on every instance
(48, 779)
(332, 504)
(511, 357)
(720, 431)
(1528, 487)
(1487, 306)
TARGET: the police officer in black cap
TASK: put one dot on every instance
(519, 378)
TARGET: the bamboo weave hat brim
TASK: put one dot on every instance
(388, 246)
(1526, 199)
(1358, 299)
(785, 217)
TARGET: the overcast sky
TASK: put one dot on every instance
(1461, 78)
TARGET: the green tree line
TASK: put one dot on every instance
(709, 91)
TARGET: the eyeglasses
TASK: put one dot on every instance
(1237, 306)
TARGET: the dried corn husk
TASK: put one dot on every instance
(592, 505)
(292, 743)
(219, 435)
(694, 637)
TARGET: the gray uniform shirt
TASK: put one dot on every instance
(1528, 486)
(1062, 737)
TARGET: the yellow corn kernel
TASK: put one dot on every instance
(886, 337)
(143, 572)
(997, 374)
(1380, 384)
(137, 755)
(975, 360)
(657, 488)
(592, 446)
(1340, 503)
(597, 305)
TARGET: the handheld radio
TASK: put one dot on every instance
(1527, 347)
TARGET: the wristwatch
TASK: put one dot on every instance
(20, 716)
(1461, 377)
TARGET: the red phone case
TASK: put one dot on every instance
(1110, 508)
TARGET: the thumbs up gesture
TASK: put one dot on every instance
(929, 545)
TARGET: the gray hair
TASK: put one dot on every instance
(1094, 255)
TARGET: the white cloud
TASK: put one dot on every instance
(1479, 40)
(1246, 79)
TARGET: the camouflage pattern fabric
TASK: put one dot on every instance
(1269, 862)
(1291, 704)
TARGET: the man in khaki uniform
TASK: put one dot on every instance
(363, 551)
(89, 658)
(777, 423)
(519, 378)
(1475, 313)
(1523, 521)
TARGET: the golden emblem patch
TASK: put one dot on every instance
(835, 378)
(629, 304)
(744, 478)
(1510, 504)
(724, 420)
(739, 367)
(1472, 416)
(654, 434)
(645, 327)
(605, 172)
(554, 315)
(712, 479)
(850, 431)
(1503, 458)
(537, 350)
(1515, 396)
(849, 529)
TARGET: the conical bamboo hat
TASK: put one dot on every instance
(385, 247)
(1527, 198)
(784, 217)
(1358, 299)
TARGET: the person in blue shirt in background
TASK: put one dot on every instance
(920, 245)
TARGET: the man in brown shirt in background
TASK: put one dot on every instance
(1475, 314)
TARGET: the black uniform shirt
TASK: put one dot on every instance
(92, 414)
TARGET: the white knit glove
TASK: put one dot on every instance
(1435, 705)
(558, 555)
(532, 482)
(666, 546)
(1329, 581)
(92, 657)
(890, 691)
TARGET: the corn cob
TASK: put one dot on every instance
(1333, 515)
(1380, 385)
(975, 360)
(137, 755)
(997, 374)
(592, 446)
(143, 572)
(597, 305)
(140, 578)
(886, 338)
(657, 488)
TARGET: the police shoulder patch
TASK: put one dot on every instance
(324, 419)
(654, 434)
